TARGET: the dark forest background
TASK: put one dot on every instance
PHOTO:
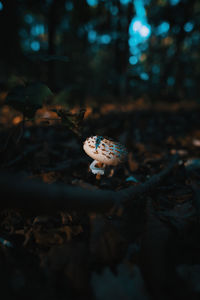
(100, 49)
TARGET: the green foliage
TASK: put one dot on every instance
(27, 99)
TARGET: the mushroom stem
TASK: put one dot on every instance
(95, 169)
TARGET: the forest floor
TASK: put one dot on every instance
(146, 250)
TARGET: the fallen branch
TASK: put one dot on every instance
(34, 196)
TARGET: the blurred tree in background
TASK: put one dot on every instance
(99, 49)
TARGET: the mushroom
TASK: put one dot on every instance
(104, 151)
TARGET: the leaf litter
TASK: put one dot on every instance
(141, 251)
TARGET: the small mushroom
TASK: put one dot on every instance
(104, 151)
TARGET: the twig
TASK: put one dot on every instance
(37, 197)
(22, 127)
(150, 184)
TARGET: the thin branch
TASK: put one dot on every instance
(22, 128)
(153, 182)
(37, 197)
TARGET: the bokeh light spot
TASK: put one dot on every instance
(133, 60)
(136, 26)
(163, 28)
(28, 18)
(92, 35)
(144, 31)
(132, 42)
(35, 46)
(92, 2)
(144, 76)
(37, 29)
(170, 80)
(114, 10)
(125, 1)
(105, 39)
(139, 29)
(139, 8)
(174, 2)
(69, 5)
(1, 6)
(188, 26)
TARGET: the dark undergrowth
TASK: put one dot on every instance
(148, 249)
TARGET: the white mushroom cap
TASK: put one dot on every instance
(105, 150)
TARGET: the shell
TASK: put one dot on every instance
(105, 150)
